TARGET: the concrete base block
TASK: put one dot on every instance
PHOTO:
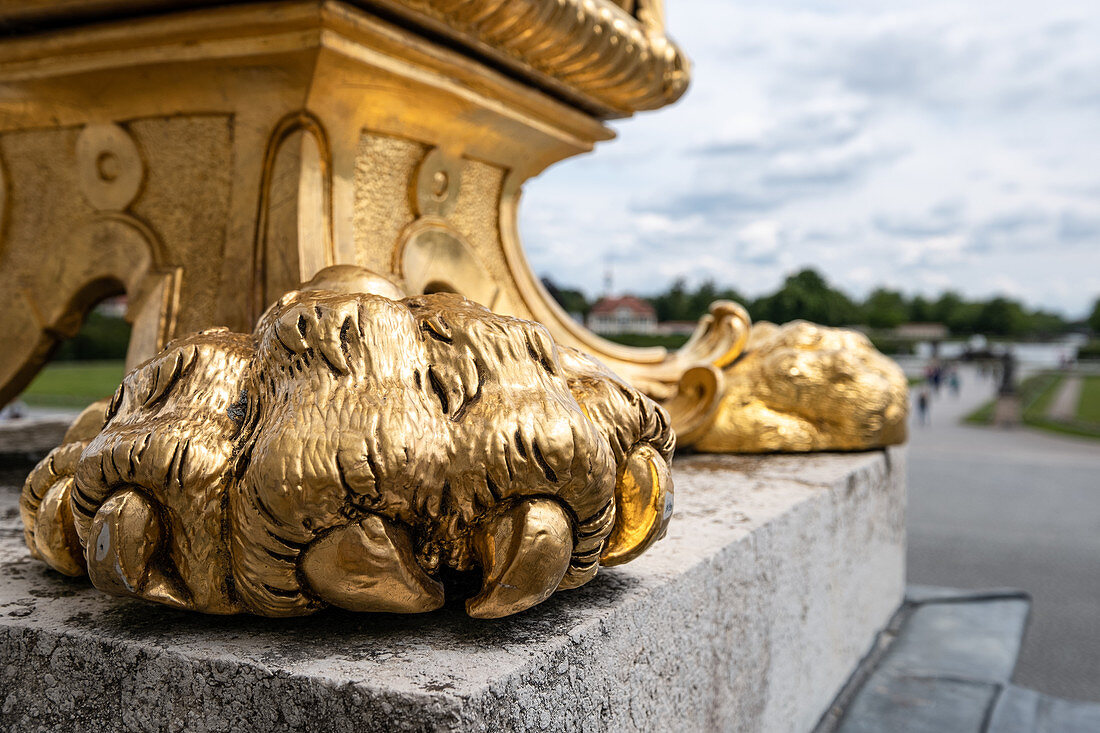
(771, 585)
(32, 437)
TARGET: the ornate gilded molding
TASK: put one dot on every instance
(98, 210)
(348, 453)
(205, 159)
(294, 214)
(611, 57)
(612, 52)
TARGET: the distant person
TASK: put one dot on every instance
(13, 410)
(953, 382)
(923, 398)
(932, 375)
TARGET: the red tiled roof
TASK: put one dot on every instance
(608, 306)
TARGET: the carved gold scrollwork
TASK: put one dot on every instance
(111, 171)
(695, 402)
(110, 166)
(431, 255)
(294, 237)
(131, 260)
(109, 250)
(728, 389)
(434, 258)
(438, 179)
(690, 396)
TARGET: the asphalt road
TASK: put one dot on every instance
(1013, 508)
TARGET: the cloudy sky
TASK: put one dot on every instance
(922, 145)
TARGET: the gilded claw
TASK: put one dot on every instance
(126, 535)
(369, 565)
(524, 552)
(643, 494)
(54, 535)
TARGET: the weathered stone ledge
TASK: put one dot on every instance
(776, 575)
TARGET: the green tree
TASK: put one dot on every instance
(674, 304)
(920, 310)
(570, 299)
(1094, 318)
(885, 309)
(946, 307)
(809, 296)
(806, 295)
(1001, 317)
(964, 319)
(957, 314)
(1046, 323)
(699, 301)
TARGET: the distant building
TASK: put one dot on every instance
(623, 314)
(113, 307)
(922, 331)
(677, 328)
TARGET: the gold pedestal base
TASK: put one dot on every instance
(203, 162)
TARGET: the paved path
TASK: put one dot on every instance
(1064, 405)
(1019, 508)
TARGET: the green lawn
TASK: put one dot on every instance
(1036, 401)
(74, 383)
(1088, 409)
(668, 340)
(983, 415)
(1036, 394)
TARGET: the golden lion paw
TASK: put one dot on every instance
(348, 452)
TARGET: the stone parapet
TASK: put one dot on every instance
(775, 577)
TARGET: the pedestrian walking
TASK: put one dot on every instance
(922, 405)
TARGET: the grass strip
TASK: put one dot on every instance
(1088, 408)
(1036, 394)
(74, 384)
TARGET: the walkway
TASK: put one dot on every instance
(1013, 508)
(1063, 407)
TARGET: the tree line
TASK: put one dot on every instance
(808, 295)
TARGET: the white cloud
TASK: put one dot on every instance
(925, 145)
(932, 252)
(759, 239)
